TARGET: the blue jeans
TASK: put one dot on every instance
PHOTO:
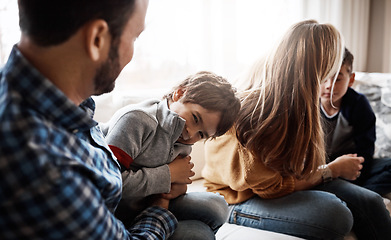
(376, 176)
(307, 214)
(371, 218)
(199, 214)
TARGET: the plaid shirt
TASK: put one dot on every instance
(59, 180)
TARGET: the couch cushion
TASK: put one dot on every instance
(377, 88)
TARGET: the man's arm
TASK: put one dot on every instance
(73, 208)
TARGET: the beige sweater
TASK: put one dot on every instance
(233, 172)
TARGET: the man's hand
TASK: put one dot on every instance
(180, 170)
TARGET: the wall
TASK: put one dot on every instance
(379, 39)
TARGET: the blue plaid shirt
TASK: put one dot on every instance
(59, 180)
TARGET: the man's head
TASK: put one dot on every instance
(344, 80)
(50, 22)
(208, 104)
(101, 33)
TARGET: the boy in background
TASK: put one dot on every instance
(153, 139)
(350, 129)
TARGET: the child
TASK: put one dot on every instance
(350, 129)
(150, 139)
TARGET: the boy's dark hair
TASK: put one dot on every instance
(214, 93)
(51, 22)
(348, 60)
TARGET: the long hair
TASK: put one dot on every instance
(279, 122)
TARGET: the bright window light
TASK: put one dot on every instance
(183, 37)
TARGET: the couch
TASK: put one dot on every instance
(376, 86)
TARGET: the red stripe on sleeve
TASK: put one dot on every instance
(122, 156)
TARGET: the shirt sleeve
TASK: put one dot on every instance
(364, 129)
(69, 206)
(131, 132)
(146, 181)
(154, 222)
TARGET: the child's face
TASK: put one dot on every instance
(200, 123)
(344, 80)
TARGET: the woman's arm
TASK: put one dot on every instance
(346, 166)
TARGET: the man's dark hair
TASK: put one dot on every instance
(51, 22)
(348, 60)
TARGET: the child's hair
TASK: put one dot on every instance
(348, 60)
(214, 93)
(279, 122)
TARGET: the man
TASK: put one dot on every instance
(59, 178)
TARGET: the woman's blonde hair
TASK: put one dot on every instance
(279, 122)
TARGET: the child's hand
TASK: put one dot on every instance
(176, 191)
(347, 166)
(180, 170)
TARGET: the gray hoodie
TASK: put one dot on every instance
(147, 132)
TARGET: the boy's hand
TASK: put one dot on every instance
(177, 190)
(347, 166)
(180, 170)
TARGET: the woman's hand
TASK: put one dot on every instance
(347, 166)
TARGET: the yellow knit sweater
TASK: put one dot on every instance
(233, 172)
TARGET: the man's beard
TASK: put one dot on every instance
(108, 72)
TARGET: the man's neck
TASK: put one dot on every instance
(63, 71)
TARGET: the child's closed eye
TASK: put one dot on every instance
(195, 118)
(201, 134)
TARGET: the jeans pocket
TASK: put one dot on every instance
(239, 217)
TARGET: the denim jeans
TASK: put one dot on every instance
(199, 214)
(376, 176)
(307, 214)
(371, 218)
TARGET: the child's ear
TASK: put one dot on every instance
(351, 80)
(178, 94)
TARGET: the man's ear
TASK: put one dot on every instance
(178, 94)
(97, 39)
(351, 80)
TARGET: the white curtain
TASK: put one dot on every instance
(226, 36)
(351, 17)
(387, 38)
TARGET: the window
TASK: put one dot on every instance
(9, 28)
(223, 36)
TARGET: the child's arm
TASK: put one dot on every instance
(147, 181)
(130, 131)
(364, 129)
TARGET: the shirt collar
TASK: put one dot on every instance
(170, 120)
(39, 93)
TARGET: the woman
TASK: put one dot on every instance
(276, 149)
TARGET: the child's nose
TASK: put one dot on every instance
(193, 133)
